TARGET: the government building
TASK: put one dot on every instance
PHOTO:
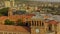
(35, 23)
(33, 26)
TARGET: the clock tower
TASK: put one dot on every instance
(38, 27)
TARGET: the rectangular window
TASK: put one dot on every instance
(37, 23)
(1, 32)
(18, 33)
(32, 23)
(40, 23)
(50, 27)
(5, 32)
(29, 23)
(10, 33)
(14, 33)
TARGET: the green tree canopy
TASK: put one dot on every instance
(4, 11)
(8, 22)
(19, 22)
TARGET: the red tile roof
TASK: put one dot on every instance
(2, 19)
(13, 28)
(52, 22)
(16, 17)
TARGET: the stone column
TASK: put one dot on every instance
(53, 27)
(10, 12)
(36, 23)
(39, 23)
(31, 23)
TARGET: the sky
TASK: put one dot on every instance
(44, 0)
(48, 0)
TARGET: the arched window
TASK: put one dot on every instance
(50, 27)
(29, 24)
(42, 24)
(32, 23)
(35, 23)
(26, 24)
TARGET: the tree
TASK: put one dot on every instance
(8, 22)
(4, 11)
(19, 22)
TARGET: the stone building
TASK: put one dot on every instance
(36, 25)
(33, 26)
(43, 26)
(10, 29)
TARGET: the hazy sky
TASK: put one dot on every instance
(47, 0)
(44, 0)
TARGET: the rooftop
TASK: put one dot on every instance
(12, 28)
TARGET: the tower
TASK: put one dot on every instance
(7, 4)
(12, 3)
(10, 12)
(11, 8)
